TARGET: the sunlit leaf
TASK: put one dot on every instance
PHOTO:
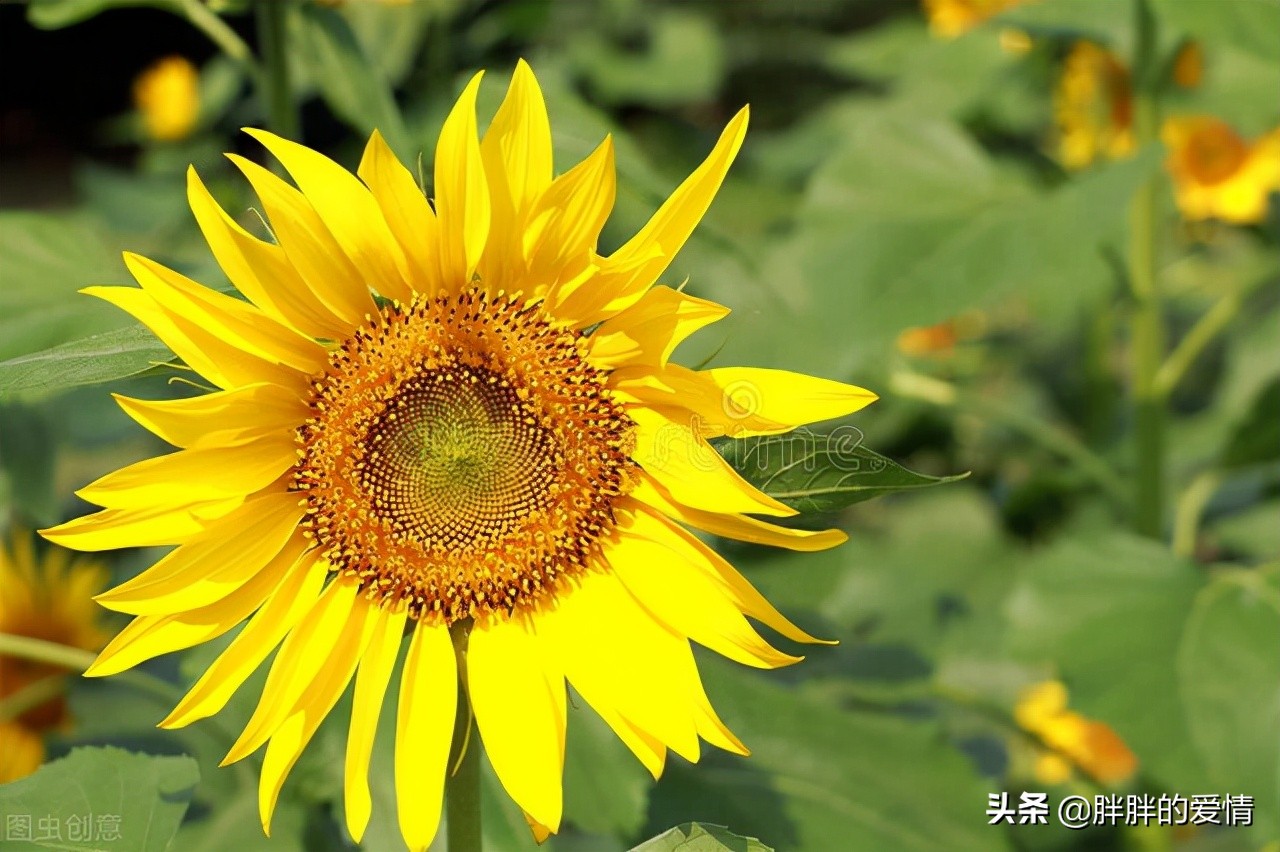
(699, 837)
(102, 797)
(820, 472)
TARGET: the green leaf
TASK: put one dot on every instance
(1243, 23)
(100, 358)
(1228, 667)
(820, 472)
(27, 449)
(909, 223)
(606, 789)
(697, 837)
(826, 777)
(683, 61)
(350, 83)
(1256, 437)
(47, 258)
(1108, 613)
(97, 797)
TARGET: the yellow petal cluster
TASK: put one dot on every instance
(1093, 107)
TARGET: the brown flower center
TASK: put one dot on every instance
(462, 456)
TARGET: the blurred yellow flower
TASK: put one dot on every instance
(457, 461)
(1093, 106)
(1216, 173)
(50, 600)
(950, 18)
(167, 94)
(1072, 739)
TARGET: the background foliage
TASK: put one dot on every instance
(892, 180)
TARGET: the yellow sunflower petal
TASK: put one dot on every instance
(619, 660)
(516, 151)
(260, 270)
(225, 418)
(151, 635)
(744, 595)
(650, 330)
(407, 212)
(695, 474)
(461, 192)
(293, 598)
(202, 570)
(229, 319)
(209, 361)
(565, 222)
(424, 730)
(366, 706)
(304, 653)
(194, 476)
(348, 210)
(734, 526)
(310, 247)
(115, 528)
(743, 401)
(647, 748)
(680, 595)
(623, 281)
(506, 667)
(315, 702)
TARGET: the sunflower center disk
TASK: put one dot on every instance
(462, 457)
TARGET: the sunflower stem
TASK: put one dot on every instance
(277, 96)
(462, 785)
(1147, 323)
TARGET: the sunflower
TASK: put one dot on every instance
(1219, 175)
(49, 599)
(1093, 106)
(454, 420)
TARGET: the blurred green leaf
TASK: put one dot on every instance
(47, 258)
(1256, 437)
(351, 84)
(606, 789)
(820, 472)
(27, 451)
(824, 777)
(99, 358)
(697, 837)
(909, 223)
(1250, 24)
(1108, 612)
(142, 796)
(682, 62)
(1228, 667)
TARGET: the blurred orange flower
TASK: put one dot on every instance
(51, 600)
(1216, 173)
(1073, 740)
